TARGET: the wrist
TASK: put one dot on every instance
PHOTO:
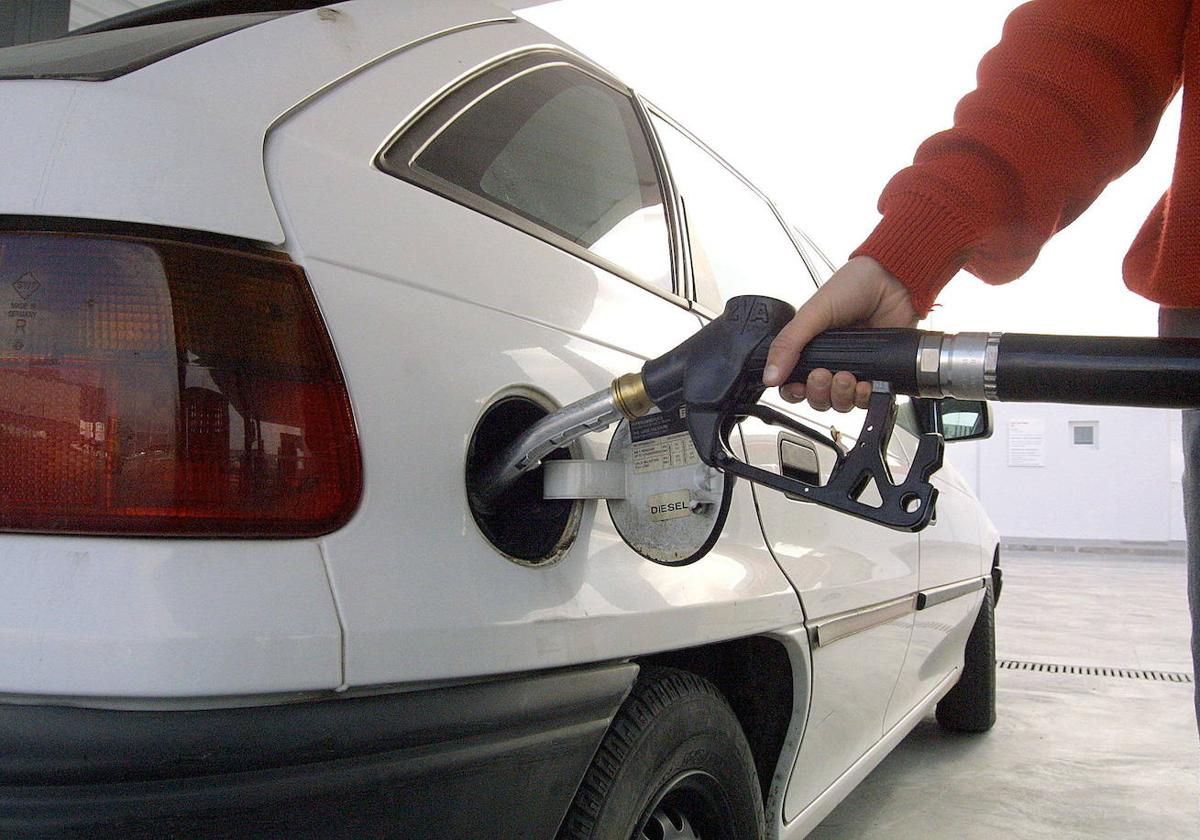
(920, 245)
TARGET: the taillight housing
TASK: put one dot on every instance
(167, 388)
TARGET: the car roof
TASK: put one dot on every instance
(177, 10)
(82, 149)
(101, 55)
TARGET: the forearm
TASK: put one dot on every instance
(1067, 101)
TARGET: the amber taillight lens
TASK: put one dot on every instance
(160, 388)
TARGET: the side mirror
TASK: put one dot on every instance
(955, 419)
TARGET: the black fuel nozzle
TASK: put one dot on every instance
(727, 357)
(717, 375)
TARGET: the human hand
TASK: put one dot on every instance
(862, 293)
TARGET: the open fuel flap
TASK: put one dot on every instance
(666, 503)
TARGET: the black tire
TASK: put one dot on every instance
(971, 705)
(674, 765)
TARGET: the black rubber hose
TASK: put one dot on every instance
(1086, 370)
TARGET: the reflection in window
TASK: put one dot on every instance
(565, 151)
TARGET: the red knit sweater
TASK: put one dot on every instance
(1067, 101)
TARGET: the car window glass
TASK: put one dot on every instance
(738, 245)
(566, 151)
(906, 415)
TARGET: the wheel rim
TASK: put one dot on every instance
(692, 806)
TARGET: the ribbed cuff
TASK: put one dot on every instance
(922, 243)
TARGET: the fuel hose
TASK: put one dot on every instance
(1150, 372)
(1012, 367)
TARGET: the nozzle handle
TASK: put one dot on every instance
(877, 355)
(726, 359)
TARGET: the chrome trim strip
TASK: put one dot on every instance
(412, 158)
(553, 52)
(657, 112)
(366, 65)
(829, 630)
(927, 598)
(672, 205)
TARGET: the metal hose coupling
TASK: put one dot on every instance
(629, 394)
(961, 365)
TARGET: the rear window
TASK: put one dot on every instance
(99, 56)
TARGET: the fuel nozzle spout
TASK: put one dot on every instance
(624, 398)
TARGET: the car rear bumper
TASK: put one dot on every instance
(494, 759)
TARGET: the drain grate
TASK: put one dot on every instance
(1094, 671)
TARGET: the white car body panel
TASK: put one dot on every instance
(838, 565)
(818, 809)
(123, 621)
(950, 553)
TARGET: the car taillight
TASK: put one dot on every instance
(154, 387)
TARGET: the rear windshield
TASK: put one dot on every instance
(98, 56)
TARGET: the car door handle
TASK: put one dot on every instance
(798, 459)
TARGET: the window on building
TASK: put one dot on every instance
(1085, 434)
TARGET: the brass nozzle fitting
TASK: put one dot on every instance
(629, 394)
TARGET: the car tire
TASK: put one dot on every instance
(674, 765)
(971, 704)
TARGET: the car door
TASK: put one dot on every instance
(481, 217)
(951, 559)
(857, 581)
(953, 562)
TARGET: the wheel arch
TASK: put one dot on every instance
(997, 574)
(755, 676)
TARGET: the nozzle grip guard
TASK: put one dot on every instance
(717, 375)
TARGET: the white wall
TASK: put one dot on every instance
(1128, 488)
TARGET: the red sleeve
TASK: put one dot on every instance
(1066, 102)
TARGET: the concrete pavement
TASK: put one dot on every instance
(1070, 756)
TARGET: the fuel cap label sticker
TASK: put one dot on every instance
(664, 453)
(658, 425)
(673, 505)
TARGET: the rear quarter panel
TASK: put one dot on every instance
(434, 310)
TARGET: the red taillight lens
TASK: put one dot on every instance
(152, 387)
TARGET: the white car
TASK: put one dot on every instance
(272, 281)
